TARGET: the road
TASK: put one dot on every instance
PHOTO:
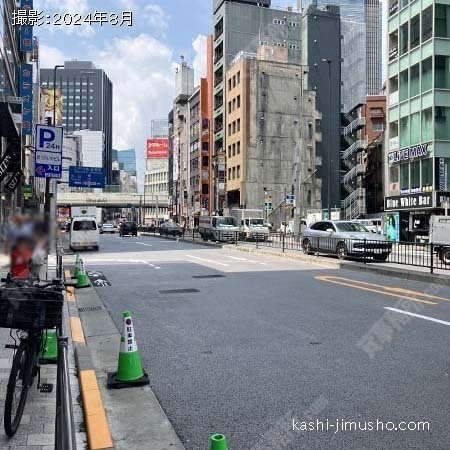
(253, 346)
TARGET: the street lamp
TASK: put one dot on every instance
(328, 61)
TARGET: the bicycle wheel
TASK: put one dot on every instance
(17, 390)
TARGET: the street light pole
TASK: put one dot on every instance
(328, 61)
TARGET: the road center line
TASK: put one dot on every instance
(431, 319)
(208, 260)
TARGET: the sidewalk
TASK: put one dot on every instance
(37, 428)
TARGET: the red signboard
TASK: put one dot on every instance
(157, 148)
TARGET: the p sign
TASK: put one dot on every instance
(49, 139)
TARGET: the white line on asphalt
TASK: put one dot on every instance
(208, 260)
(238, 259)
(431, 319)
(143, 243)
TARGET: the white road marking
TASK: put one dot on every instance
(431, 319)
(237, 259)
(208, 260)
(143, 243)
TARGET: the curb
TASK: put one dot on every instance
(190, 241)
(97, 427)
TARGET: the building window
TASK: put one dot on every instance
(239, 147)
(427, 125)
(442, 71)
(229, 106)
(238, 101)
(234, 127)
(234, 149)
(234, 104)
(442, 21)
(415, 128)
(238, 125)
(404, 132)
(427, 24)
(415, 174)
(427, 74)
(377, 125)
(427, 172)
(229, 151)
(404, 177)
(442, 123)
(404, 85)
(239, 77)
(239, 171)
(404, 38)
(415, 80)
(229, 129)
(229, 174)
(234, 81)
(234, 173)
(415, 31)
(229, 84)
(405, 3)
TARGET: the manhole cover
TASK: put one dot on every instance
(89, 308)
(178, 291)
(208, 276)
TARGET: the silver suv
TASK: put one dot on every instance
(345, 239)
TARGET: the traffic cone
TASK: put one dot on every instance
(218, 442)
(50, 348)
(129, 372)
(77, 267)
(83, 280)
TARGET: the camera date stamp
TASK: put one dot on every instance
(33, 17)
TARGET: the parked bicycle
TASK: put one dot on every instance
(29, 307)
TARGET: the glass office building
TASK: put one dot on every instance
(127, 161)
(418, 135)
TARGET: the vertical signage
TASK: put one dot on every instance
(443, 175)
(26, 31)
(26, 92)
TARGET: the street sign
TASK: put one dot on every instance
(48, 154)
(90, 177)
(290, 200)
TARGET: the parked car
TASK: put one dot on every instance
(128, 228)
(345, 239)
(170, 229)
(109, 228)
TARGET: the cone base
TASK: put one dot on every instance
(114, 383)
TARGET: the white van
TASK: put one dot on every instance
(84, 233)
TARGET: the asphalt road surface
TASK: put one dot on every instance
(260, 347)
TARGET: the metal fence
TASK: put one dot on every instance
(428, 256)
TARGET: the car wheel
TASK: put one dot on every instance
(341, 250)
(445, 256)
(306, 246)
(381, 257)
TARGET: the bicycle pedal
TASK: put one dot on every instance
(46, 388)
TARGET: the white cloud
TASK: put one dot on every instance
(156, 18)
(50, 56)
(199, 63)
(143, 85)
(71, 7)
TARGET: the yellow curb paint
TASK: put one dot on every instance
(77, 330)
(383, 290)
(70, 294)
(97, 427)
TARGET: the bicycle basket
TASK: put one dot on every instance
(30, 308)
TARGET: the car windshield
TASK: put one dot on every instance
(85, 225)
(226, 222)
(258, 222)
(351, 226)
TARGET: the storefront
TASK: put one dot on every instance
(414, 212)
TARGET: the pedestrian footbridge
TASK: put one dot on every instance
(111, 200)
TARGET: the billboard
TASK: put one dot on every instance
(157, 148)
(51, 100)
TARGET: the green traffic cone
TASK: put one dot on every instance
(77, 267)
(129, 371)
(50, 349)
(218, 442)
(83, 280)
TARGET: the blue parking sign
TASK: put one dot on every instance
(48, 154)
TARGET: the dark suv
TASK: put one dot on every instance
(128, 228)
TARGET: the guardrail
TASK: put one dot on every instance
(428, 256)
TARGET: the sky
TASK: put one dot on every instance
(140, 60)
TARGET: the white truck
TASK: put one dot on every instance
(252, 225)
(218, 228)
(440, 236)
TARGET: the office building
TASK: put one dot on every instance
(361, 47)
(243, 25)
(159, 128)
(92, 147)
(417, 154)
(271, 134)
(72, 154)
(86, 102)
(127, 161)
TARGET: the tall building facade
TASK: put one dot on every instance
(361, 48)
(92, 147)
(72, 153)
(417, 154)
(87, 102)
(243, 25)
(271, 134)
(127, 161)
